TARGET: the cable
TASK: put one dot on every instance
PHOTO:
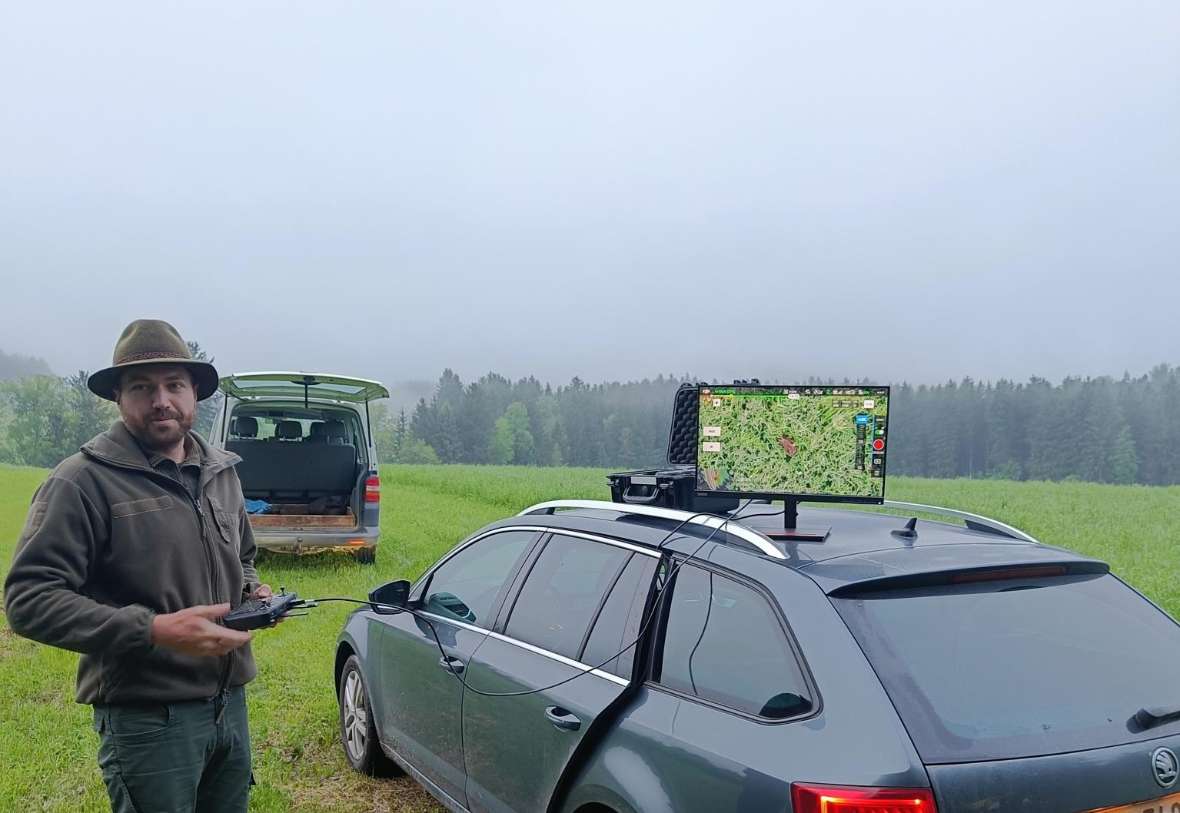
(708, 612)
(663, 591)
(586, 671)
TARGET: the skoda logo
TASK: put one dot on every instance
(1165, 766)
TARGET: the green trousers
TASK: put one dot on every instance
(184, 757)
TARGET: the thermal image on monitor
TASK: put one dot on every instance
(819, 441)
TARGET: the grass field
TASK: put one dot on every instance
(47, 748)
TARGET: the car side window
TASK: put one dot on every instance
(620, 619)
(563, 593)
(723, 643)
(465, 587)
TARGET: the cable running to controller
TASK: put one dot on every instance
(656, 606)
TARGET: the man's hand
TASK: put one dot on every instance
(191, 631)
(264, 591)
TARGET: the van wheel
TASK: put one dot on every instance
(358, 730)
(366, 556)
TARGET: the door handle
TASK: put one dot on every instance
(562, 719)
(451, 665)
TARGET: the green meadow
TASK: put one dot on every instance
(47, 746)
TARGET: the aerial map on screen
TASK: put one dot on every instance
(815, 441)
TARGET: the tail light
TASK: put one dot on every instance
(373, 489)
(831, 799)
(1034, 572)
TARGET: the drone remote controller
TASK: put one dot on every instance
(256, 613)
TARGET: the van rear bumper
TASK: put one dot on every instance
(305, 540)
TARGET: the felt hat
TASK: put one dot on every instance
(152, 341)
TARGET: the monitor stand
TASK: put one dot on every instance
(791, 532)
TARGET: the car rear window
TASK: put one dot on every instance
(723, 643)
(1018, 668)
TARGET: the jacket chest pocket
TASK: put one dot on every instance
(227, 527)
(124, 510)
(141, 528)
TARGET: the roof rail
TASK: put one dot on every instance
(730, 526)
(975, 522)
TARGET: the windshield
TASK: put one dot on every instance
(1019, 668)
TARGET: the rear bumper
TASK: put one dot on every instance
(307, 540)
(1079, 780)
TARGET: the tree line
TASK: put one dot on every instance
(45, 418)
(525, 422)
(1096, 429)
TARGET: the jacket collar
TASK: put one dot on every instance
(118, 447)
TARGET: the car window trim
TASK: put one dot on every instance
(638, 606)
(562, 659)
(419, 589)
(527, 567)
(618, 543)
(657, 648)
(602, 603)
(510, 607)
(423, 580)
(571, 662)
(641, 606)
(517, 582)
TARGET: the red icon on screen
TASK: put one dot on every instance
(878, 444)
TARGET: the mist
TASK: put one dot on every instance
(912, 191)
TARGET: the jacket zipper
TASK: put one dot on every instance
(214, 570)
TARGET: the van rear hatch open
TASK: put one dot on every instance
(1034, 688)
(305, 450)
(303, 385)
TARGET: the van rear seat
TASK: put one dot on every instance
(294, 470)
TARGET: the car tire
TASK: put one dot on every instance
(358, 730)
(366, 556)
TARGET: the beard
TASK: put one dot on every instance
(160, 430)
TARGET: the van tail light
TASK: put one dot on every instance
(831, 799)
(373, 489)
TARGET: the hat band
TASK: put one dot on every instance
(157, 354)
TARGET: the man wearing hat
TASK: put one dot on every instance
(133, 551)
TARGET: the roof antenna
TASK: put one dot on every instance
(909, 532)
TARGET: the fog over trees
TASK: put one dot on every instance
(1104, 429)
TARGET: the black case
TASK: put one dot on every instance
(682, 435)
(673, 487)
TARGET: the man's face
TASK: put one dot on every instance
(158, 404)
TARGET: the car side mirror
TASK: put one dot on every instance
(393, 597)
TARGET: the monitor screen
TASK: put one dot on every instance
(817, 443)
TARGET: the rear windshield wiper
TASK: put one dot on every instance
(1151, 716)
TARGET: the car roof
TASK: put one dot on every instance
(860, 549)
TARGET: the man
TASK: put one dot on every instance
(132, 552)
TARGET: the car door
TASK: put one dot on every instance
(571, 612)
(726, 684)
(421, 696)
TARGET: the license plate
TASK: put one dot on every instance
(1164, 804)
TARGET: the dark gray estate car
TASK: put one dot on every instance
(964, 669)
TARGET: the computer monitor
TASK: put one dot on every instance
(811, 443)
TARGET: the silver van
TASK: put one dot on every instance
(309, 466)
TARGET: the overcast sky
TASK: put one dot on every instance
(902, 191)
